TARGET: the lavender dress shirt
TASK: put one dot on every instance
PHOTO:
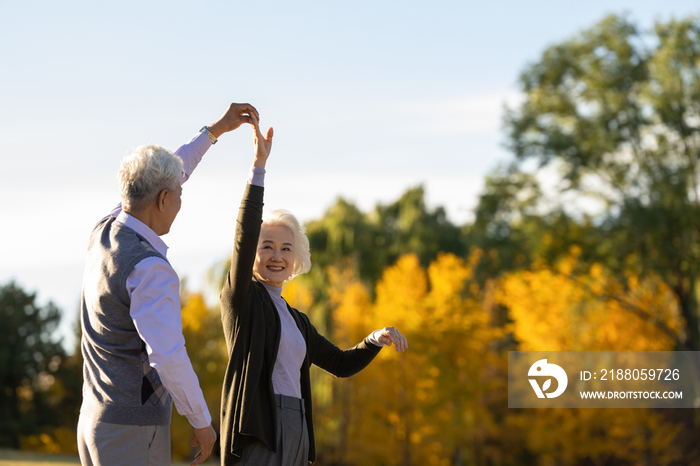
(154, 289)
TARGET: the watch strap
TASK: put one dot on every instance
(205, 130)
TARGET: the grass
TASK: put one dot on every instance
(28, 458)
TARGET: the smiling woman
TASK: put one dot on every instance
(283, 249)
(274, 261)
(266, 415)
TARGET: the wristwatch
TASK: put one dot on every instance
(205, 130)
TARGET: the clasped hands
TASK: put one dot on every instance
(235, 116)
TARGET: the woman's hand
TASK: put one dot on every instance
(389, 335)
(263, 144)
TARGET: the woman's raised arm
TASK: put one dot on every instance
(238, 280)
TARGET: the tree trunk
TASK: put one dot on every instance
(685, 290)
(405, 414)
(345, 390)
(689, 311)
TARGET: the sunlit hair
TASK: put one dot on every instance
(144, 173)
(302, 254)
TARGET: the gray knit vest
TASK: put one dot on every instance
(119, 385)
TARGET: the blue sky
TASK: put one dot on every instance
(367, 98)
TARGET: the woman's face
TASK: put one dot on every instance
(274, 260)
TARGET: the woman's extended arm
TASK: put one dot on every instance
(346, 363)
(341, 363)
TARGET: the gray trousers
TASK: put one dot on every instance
(103, 444)
(292, 438)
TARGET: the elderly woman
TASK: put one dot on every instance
(266, 412)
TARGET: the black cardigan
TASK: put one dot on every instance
(252, 330)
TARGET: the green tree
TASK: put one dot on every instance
(376, 240)
(410, 228)
(617, 111)
(29, 360)
(344, 231)
(505, 213)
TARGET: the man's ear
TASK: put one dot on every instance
(160, 199)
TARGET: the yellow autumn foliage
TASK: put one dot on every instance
(351, 307)
(400, 293)
(563, 308)
(425, 403)
(297, 295)
(194, 313)
(564, 436)
(559, 309)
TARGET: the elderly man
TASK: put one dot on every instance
(135, 361)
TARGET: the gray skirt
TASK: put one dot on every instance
(292, 437)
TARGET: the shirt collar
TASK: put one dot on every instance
(273, 290)
(142, 229)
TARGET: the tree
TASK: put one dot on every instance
(592, 311)
(506, 212)
(617, 111)
(376, 240)
(344, 231)
(430, 404)
(29, 359)
(408, 227)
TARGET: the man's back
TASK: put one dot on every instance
(120, 385)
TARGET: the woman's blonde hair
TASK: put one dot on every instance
(302, 254)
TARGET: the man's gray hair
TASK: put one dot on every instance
(146, 172)
(302, 253)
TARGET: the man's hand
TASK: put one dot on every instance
(235, 116)
(205, 438)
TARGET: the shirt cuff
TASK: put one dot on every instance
(256, 176)
(373, 339)
(199, 420)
